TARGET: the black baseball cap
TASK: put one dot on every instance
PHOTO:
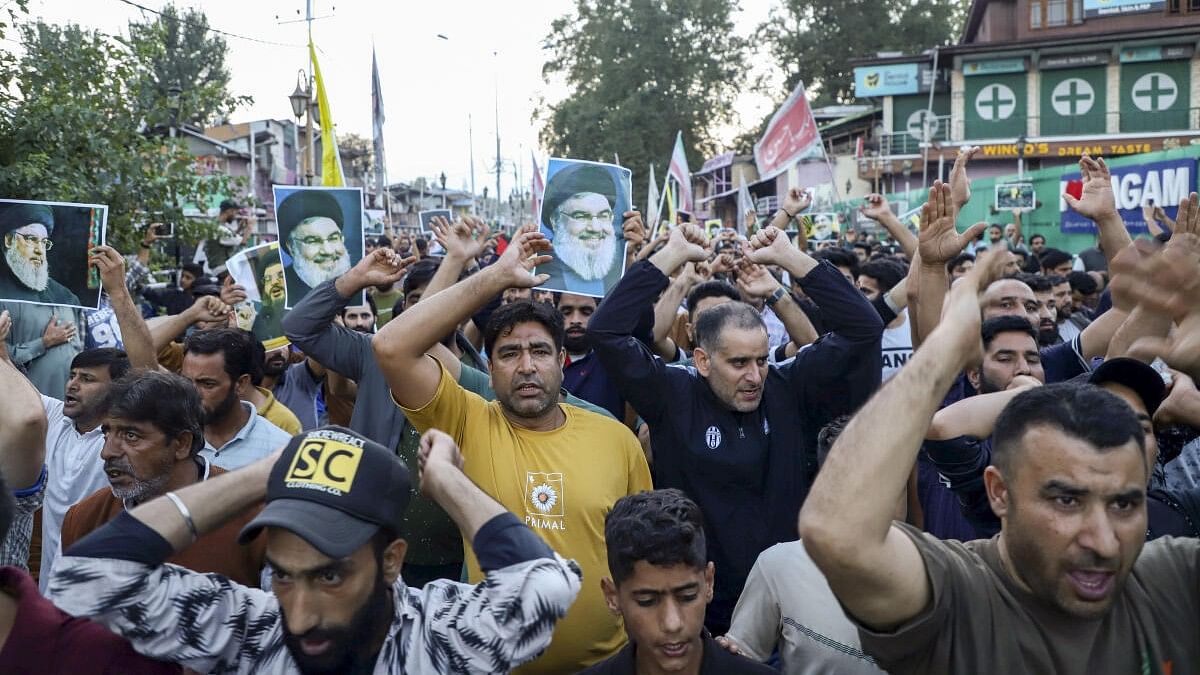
(229, 204)
(334, 489)
(1144, 380)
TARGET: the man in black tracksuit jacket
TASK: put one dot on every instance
(748, 471)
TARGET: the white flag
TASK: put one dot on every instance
(744, 203)
(653, 203)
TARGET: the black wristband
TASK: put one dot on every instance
(790, 216)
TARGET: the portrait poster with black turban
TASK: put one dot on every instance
(259, 270)
(320, 235)
(582, 209)
(46, 246)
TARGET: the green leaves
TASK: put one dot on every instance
(640, 70)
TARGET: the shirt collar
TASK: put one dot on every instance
(241, 433)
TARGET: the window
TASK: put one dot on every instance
(1056, 13)
(1036, 7)
(1077, 11)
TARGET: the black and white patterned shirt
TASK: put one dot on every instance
(210, 624)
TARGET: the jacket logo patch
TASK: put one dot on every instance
(713, 437)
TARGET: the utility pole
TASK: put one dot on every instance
(471, 143)
(308, 124)
(499, 168)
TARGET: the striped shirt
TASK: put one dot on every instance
(256, 439)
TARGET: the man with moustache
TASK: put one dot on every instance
(583, 374)
(25, 274)
(152, 440)
(268, 320)
(579, 206)
(334, 501)
(310, 232)
(220, 361)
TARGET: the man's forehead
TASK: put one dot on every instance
(115, 422)
(1052, 454)
(585, 199)
(318, 224)
(201, 363)
(528, 332)
(651, 578)
(37, 229)
(99, 372)
(1013, 341)
(572, 301)
(1008, 289)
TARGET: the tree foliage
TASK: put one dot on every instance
(639, 71)
(177, 49)
(75, 131)
(358, 158)
(815, 40)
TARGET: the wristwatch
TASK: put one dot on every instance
(776, 296)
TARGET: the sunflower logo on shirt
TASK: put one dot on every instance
(544, 494)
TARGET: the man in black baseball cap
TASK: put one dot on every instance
(334, 502)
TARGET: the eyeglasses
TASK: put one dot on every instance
(582, 216)
(31, 241)
(313, 240)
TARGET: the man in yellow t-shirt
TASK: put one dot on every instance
(558, 467)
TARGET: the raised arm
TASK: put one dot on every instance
(794, 202)
(976, 415)
(310, 324)
(1098, 203)
(874, 569)
(22, 421)
(755, 281)
(164, 329)
(667, 308)
(876, 208)
(464, 241)
(1015, 240)
(401, 346)
(939, 242)
(139, 345)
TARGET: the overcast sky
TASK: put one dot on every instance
(430, 85)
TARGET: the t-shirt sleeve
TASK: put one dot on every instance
(1165, 566)
(755, 625)
(447, 411)
(639, 468)
(958, 580)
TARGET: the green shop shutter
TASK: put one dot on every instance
(995, 105)
(1154, 95)
(1072, 101)
(908, 115)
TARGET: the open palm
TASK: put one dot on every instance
(938, 240)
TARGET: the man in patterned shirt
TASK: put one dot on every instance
(333, 502)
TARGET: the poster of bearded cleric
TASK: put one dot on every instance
(320, 235)
(260, 271)
(581, 215)
(46, 248)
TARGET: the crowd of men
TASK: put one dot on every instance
(950, 451)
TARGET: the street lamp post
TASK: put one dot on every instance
(299, 99)
(442, 178)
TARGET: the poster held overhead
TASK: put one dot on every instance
(320, 235)
(581, 213)
(1011, 196)
(260, 271)
(46, 247)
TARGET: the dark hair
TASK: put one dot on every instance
(559, 296)
(227, 204)
(713, 288)
(509, 316)
(1086, 412)
(422, 244)
(194, 269)
(235, 344)
(1082, 282)
(370, 303)
(1056, 280)
(660, 527)
(1053, 257)
(958, 260)
(887, 271)
(1036, 282)
(420, 274)
(708, 327)
(1006, 324)
(1037, 236)
(116, 360)
(998, 226)
(864, 246)
(168, 401)
(827, 435)
(839, 258)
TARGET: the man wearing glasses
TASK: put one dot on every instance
(310, 230)
(588, 247)
(26, 230)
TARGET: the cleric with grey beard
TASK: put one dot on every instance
(311, 234)
(27, 230)
(581, 211)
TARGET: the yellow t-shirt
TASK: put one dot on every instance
(277, 413)
(562, 483)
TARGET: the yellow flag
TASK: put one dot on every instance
(670, 207)
(331, 159)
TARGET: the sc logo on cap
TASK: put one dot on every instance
(324, 462)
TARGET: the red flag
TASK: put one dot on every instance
(792, 135)
(1075, 188)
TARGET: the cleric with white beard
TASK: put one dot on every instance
(310, 232)
(27, 229)
(582, 213)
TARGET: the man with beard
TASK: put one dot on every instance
(334, 501)
(736, 432)
(310, 232)
(1066, 586)
(220, 362)
(27, 229)
(152, 440)
(588, 249)
(1047, 309)
(263, 399)
(268, 320)
(560, 466)
(583, 374)
(295, 385)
